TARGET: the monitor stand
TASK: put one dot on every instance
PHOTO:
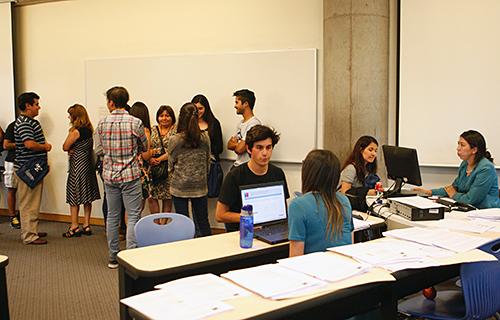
(396, 192)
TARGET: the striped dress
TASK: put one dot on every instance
(81, 186)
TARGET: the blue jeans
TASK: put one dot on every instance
(200, 213)
(130, 195)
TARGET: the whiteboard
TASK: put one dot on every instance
(284, 82)
(449, 76)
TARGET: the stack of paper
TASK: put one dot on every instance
(393, 254)
(274, 281)
(193, 297)
(360, 224)
(454, 241)
(325, 266)
(475, 226)
(161, 304)
(488, 214)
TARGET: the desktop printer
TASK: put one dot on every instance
(414, 213)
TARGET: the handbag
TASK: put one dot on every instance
(159, 172)
(215, 176)
(33, 171)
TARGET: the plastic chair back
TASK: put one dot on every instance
(481, 284)
(163, 228)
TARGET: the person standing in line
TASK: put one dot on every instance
(122, 138)
(81, 186)
(209, 123)
(30, 144)
(189, 158)
(160, 137)
(10, 182)
(244, 102)
(140, 111)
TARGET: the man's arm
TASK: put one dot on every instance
(9, 145)
(35, 146)
(222, 214)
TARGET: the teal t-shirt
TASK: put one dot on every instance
(307, 222)
(479, 189)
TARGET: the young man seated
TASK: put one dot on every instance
(260, 141)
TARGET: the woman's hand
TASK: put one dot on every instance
(423, 190)
(371, 192)
(451, 191)
(154, 161)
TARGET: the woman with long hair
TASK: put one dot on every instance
(477, 181)
(359, 172)
(188, 161)
(321, 217)
(160, 136)
(208, 122)
(140, 111)
(81, 186)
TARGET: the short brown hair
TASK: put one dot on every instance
(119, 96)
(259, 133)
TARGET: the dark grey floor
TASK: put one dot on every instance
(65, 279)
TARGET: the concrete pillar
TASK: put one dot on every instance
(356, 72)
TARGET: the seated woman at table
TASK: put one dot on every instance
(477, 182)
(321, 218)
(359, 173)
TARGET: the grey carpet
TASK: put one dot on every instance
(65, 279)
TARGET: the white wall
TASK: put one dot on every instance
(56, 38)
(6, 66)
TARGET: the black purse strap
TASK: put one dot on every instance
(161, 140)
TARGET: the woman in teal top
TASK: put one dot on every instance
(477, 182)
(321, 218)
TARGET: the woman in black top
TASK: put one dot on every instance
(207, 121)
(81, 186)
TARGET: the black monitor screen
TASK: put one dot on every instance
(402, 166)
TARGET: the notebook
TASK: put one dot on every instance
(269, 211)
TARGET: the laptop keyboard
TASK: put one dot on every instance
(273, 229)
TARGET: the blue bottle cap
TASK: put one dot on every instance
(247, 207)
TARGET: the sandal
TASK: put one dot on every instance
(86, 230)
(72, 233)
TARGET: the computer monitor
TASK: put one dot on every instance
(402, 166)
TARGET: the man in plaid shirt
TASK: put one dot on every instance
(122, 139)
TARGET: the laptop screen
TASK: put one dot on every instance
(268, 201)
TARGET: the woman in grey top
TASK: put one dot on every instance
(359, 173)
(188, 162)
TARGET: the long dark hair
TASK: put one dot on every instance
(356, 158)
(140, 110)
(188, 125)
(208, 116)
(476, 140)
(320, 175)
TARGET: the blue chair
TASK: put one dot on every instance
(162, 228)
(478, 299)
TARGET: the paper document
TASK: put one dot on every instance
(162, 305)
(204, 286)
(325, 266)
(489, 214)
(273, 281)
(454, 241)
(475, 226)
(360, 224)
(419, 202)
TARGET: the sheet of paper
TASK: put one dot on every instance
(162, 305)
(325, 266)
(419, 202)
(454, 241)
(204, 286)
(490, 214)
(475, 226)
(272, 280)
(360, 224)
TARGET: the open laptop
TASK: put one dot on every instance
(269, 211)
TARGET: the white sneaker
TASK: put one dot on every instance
(112, 264)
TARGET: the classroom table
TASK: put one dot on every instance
(141, 269)
(4, 301)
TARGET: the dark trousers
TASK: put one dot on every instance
(200, 213)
